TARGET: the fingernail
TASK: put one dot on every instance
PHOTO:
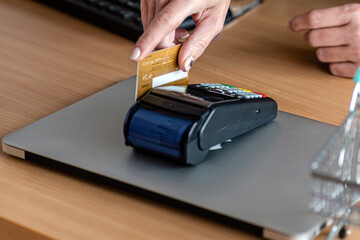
(183, 38)
(135, 54)
(189, 61)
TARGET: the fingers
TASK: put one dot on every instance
(168, 19)
(181, 35)
(199, 40)
(160, 4)
(168, 40)
(161, 27)
(336, 33)
(327, 37)
(322, 18)
(347, 69)
(208, 25)
(151, 9)
(177, 36)
(144, 13)
(338, 54)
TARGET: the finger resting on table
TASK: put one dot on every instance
(323, 18)
(338, 54)
(346, 69)
(327, 37)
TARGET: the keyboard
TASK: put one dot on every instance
(121, 17)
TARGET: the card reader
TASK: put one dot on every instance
(183, 123)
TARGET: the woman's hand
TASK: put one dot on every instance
(335, 32)
(161, 19)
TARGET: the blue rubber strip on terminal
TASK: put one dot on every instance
(158, 132)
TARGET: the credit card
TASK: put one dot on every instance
(158, 69)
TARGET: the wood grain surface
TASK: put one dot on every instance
(49, 60)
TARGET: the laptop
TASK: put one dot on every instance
(259, 182)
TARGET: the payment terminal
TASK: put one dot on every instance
(183, 123)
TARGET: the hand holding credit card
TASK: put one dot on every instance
(158, 69)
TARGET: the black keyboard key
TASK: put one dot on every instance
(134, 5)
(104, 4)
(126, 14)
(114, 8)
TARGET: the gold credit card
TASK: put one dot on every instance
(158, 69)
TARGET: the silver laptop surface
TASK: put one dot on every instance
(261, 178)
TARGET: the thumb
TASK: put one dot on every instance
(196, 44)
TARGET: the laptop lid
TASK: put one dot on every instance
(261, 178)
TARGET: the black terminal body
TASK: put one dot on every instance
(184, 125)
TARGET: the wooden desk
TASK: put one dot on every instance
(49, 61)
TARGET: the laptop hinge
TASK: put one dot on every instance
(13, 151)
